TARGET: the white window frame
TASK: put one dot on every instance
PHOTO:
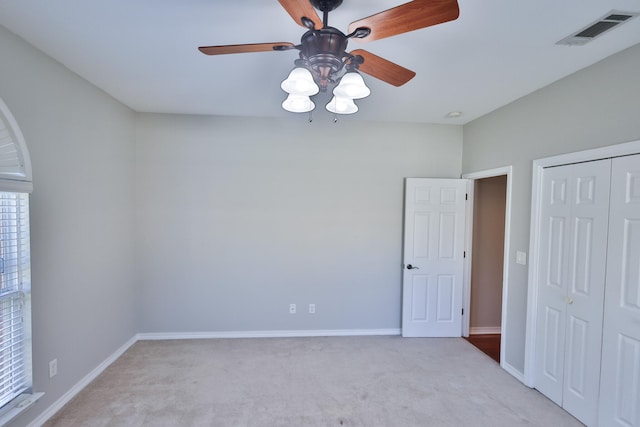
(15, 266)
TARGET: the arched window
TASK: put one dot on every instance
(15, 269)
(15, 165)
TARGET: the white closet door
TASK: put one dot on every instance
(620, 383)
(570, 301)
(585, 289)
(554, 255)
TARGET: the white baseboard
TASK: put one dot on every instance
(77, 388)
(484, 330)
(513, 371)
(265, 334)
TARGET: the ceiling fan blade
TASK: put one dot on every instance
(302, 8)
(383, 69)
(245, 48)
(407, 17)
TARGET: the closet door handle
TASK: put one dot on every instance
(569, 300)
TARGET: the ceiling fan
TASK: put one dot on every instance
(323, 49)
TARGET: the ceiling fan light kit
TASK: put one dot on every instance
(300, 86)
(324, 60)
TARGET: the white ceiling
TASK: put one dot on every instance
(144, 53)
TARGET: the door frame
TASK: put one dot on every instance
(617, 150)
(466, 302)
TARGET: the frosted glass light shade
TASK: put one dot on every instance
(352, 86)
(300, 82)
(298, 104)
(340, 105)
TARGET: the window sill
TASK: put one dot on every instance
(18, 406)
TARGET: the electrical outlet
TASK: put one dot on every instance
(312, 309)
(292, 309)
(53, 368)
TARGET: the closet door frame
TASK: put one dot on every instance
(534, 235)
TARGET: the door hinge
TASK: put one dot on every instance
(464, 254)
(466, 196)
(463, 311)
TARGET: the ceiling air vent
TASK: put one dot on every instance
(611, 20)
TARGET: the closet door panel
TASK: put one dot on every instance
(590, 185)
(553, 273)
(575, 209)
(620, 381)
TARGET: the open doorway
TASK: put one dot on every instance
(486, 278)
(499, 217)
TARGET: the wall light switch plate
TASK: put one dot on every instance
(53, 368)
(521, 257)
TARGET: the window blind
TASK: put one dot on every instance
(15, 283)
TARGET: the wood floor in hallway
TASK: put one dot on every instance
(488, 343)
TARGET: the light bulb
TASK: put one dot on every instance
(300, 82)
(352, 86)
(298, 104)
(340, 105)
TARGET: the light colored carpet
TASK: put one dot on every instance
(337, 381)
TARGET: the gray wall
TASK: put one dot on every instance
(597, 106)
(82, 152)
(237, 218)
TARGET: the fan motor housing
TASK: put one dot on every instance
(324, 50)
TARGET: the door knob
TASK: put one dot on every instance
(411, 267)
(569, 301)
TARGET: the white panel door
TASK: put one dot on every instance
(552, 289)
(585, 289)
(433, 257)
(572, 273)
(620, 383)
